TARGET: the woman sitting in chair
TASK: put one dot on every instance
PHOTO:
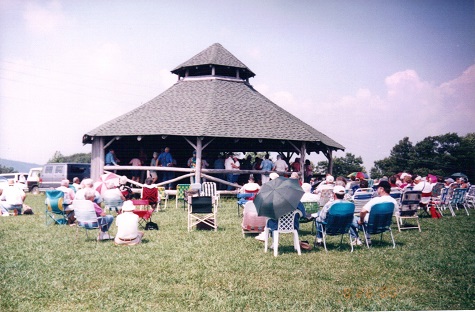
(128, 226)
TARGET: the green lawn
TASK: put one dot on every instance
(50, 269)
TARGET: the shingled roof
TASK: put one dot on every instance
(225, 108)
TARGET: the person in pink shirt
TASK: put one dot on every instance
(135, 172)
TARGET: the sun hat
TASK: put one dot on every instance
(306, 187)
(128, 206)
(330, 179)
(339, 190)
(404, 174)
(273, 175)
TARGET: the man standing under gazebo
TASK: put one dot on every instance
(165, 159)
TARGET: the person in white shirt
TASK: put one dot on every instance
(280, 164)
(12, 198)
(128, 226)
(68, 192)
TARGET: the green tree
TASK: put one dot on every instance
(74, 158)
(4, 169)
(342, 166)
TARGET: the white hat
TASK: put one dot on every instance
(128, 206)
(338, 189)
(306, 187)
(273, 175)
(404, 174)
(330, 179)
(418, 178)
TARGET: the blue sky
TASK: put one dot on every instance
(365, 73)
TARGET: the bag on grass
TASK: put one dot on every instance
(151, 226)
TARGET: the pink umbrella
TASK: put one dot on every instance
(432, 178)
(101, 184)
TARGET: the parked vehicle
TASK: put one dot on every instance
(18, 177)
(52, 174)
(33, 180)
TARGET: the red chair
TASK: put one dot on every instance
(151, 194)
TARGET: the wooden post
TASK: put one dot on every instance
(199, 147)
(303, 152)
(97, 158)
(330, 162)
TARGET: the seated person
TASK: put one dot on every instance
(128, 226)
(112, 194)
(88, 184)
(107, 220)
(384, 188)
(308, 196)
(12, 198)
(124, 189)
(273, 224)
(150, 193)
(425, 187)
(338, 197)
(251, 187)
(68, 193)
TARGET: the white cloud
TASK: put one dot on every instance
(44, 19)
(369, 125)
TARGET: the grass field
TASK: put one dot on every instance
(49, 268)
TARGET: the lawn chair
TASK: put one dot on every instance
(442, 203)
(202, 210)
(408, 210)
(209, 189)
(285, 224)
(380, 219)
(396, 194)
(338, 222)
(150, 194)
(86, 217)
(54, 208)
(310, 208)
(458, 198)
(251, 222)
(163, 197)
(470, 197)
(361, 197)
(143, 210)
(115, 204)
(180, 193)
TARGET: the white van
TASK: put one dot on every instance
(33, 180)
(18, 177)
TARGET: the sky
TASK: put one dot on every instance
(365, 73)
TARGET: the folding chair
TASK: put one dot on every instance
(209, 189)
(470, 197)
(458, 198)
(180, 193)
(443, 202)
(251, 222)
(380, 219)
(285, 224)
(115, 204)
(338, 222)
(54, 207)
(143, 210)
(163, 197)
(150, 194)
(408, 210)
(86, 217)
(202, 210)
(361, 197)
(310, 208)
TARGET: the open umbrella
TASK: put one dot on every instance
(101, 184)
(359, 175)
(458, 175)
(278, 197)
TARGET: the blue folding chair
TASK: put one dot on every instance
(54, 207)
(243, 198)
(380, 219)
(337, 222)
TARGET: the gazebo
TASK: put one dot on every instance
(212, 108)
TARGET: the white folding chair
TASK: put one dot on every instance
(285, 224)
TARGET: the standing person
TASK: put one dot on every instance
(308, 170)
(128, 226)
(154, 163)
(135, 173)
(192, 164)
(266, 165)
(111, 159)
(257, 166)
(219, 164)
(228, 165)
(166, 160)
(280, 164)
(236, 167)
(296, 165)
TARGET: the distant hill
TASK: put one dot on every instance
(19, 166)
